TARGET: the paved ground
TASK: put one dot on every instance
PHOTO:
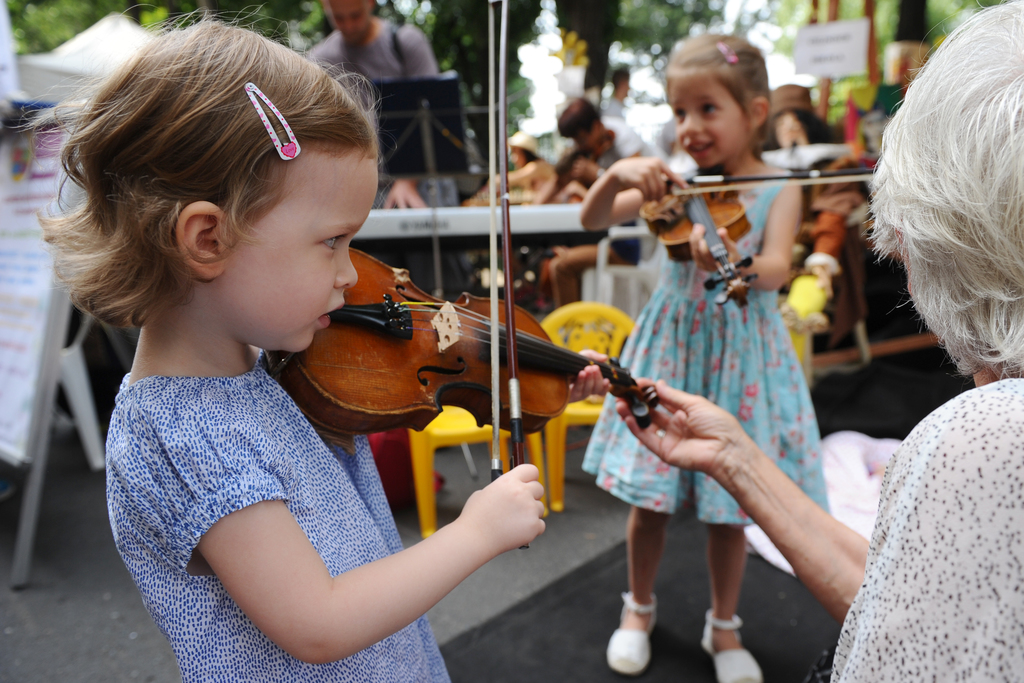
(81, 619)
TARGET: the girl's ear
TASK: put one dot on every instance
(200, 235)
(758, 108)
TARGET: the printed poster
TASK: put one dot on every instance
(28, 183)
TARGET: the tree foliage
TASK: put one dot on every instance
(654, 27)
(457, 29)
(42, 25)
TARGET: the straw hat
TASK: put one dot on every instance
(524, 141)
(791, 96)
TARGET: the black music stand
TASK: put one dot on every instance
(421, 134)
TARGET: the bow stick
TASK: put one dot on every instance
(492, 167)
(517, 441)
(699, 184)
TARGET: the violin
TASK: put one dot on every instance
(668, 218)
(394, 355)
(672, 219)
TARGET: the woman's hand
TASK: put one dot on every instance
(702, 254)
(590, 381)
(694, 434)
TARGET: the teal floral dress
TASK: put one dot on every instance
(742, 359)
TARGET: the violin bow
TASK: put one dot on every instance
(517, 450)
(496, 465)
(703, 183)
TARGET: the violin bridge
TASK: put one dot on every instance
(447, 324)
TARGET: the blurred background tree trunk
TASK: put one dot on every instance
(913, 20)
(593, 22)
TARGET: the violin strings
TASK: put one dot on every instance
(531, 348)
(538, 353)
(535, 343)
(543, 353)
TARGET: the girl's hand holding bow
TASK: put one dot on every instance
(650, 175)
(507, 513)
(621, 190)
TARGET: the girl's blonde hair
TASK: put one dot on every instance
(174, 126)
(739, 67)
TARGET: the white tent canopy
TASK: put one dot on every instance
(52, 76)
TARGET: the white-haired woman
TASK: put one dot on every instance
(938, 594)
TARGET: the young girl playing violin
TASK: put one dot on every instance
(739, 357)
(222, 179)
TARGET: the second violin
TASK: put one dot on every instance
(672, 220)
(669, 220)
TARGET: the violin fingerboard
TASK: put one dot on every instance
(698, 212)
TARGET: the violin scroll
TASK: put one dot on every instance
(736, 285)
(641, 399)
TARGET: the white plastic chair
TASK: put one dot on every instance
(639, 280)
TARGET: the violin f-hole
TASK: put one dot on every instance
(440, 371)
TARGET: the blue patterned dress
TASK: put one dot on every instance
(742, 359)
(183, 452)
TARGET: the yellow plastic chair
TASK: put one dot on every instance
(578, 326)
(452, 427)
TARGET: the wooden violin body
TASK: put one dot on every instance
(393, 355)
(673, 222)
(667, 218)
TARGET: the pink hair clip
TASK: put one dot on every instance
(727, 52)
(288, 151)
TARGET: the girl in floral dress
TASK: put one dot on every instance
(740, 357)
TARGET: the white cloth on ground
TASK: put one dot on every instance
(853, 464)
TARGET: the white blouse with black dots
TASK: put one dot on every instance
(943, 591)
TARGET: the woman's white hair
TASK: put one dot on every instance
(949, 191)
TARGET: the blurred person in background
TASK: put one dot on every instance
(616, 104)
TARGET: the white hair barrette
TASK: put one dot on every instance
(286, 151)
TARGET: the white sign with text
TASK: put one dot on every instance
(832, 50)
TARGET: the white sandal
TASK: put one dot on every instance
(629, 650)
(731, 666)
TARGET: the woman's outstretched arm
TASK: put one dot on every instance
(695, 434)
